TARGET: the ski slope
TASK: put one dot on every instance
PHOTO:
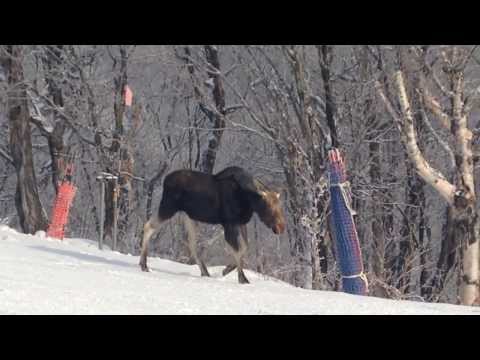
(40, 275)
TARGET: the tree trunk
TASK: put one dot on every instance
(461, 194)
(376, 209)
(466, 232)
(447, 259)
(30, 211)
(411, 230)
(53, 64)
(424, 238)
(151, 187)
(120, 162)
(325, 56)
(303, 169)
(414, 222)
(303, 237)
(217, 118)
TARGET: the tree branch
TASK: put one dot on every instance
(6, 156)
(405, 124)
(433, 105)
(442, 143)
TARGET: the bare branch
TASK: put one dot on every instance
(442, 143)
(405, 124)
(232, 108)
(462, 133)
(247, 107)
(232, 68)
(433, 105)
(472, 100)
(393, 113)
(436, 80)
(6, 156)
(469, 56)
(63, 116)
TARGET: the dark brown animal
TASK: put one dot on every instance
(228, 198)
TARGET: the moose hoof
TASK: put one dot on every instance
(144, 267)
(228, 269)
(204, 271)
(242, 279)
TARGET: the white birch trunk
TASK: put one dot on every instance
(461, 196)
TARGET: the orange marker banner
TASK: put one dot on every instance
(128, 96)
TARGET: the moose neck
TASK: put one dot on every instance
(259, 206)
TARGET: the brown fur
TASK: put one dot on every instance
(228, 198)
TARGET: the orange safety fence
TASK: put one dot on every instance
(61, 208)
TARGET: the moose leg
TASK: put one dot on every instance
(149, 229)
(242, 279)
(230, 267)
(191, 227)
(238, 245)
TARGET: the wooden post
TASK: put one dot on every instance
(103, 177)
(102, 210)
(115, 213)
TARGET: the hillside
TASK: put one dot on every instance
(39, 275)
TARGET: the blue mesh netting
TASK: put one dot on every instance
(346, 239)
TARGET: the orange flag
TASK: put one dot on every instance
(128, 96)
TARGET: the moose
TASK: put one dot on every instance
(228, 198)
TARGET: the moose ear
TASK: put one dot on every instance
(277, 194)
(262, 194)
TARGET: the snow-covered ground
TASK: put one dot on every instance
(39, 275)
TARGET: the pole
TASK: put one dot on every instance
(103, 178)
(102, 212)
(347, 244)
(115, 213)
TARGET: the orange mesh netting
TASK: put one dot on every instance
(66, 193)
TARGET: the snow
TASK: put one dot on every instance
(41, 275)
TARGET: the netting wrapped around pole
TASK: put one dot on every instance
(61, 207)
(347, 245)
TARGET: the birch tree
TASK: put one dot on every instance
(453, 114)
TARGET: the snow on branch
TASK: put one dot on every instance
(39, 114)
(232, 108)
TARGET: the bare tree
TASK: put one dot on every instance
(217, 117)
(29, 208)
(461, 193)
